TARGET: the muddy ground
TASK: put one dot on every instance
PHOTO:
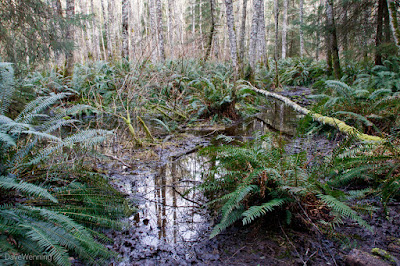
(175, 231)
(264, 243)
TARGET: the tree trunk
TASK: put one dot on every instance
(160, 30)
(394, 24)
(231, 31)
(155, 51)
(95, 32)
(104, 36)
(386, 23)
(261, 33)
(379, 31)
(254, 32)
(170, 27)
(276, 12)
(69, 64)
(110, 34)
(212, 30)
(301, 29)
(284, 28)
(333, 39)
(125, 29)
(242, 31)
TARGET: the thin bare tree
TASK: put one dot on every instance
(276, 14)
(125, 28)
(160, 30)
(301, 27)
(230, 21)
(333, 44)
(254, 32)
(284, 28)
(242, 31)
(69, 64)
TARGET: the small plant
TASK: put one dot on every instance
(50, 211)
(250, 181)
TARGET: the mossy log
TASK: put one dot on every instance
(339, 124)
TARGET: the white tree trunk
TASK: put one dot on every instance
(230, 21)
(160, 30)
(276, 14)
(111, 32)
(284, 28)
(125, 29)
(95, 32)
(261, 33)
(106, 30)
(301, 29)
(70, 12)
(155, 51)
(243, 31)
(254, 32)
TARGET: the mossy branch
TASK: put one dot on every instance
(339, 124)
(146, 129)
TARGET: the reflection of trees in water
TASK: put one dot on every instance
(171, 181)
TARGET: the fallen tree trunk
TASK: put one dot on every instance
(339, 124)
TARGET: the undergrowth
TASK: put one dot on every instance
(51, 207)
(260, 177)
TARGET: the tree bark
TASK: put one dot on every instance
(69, 64)
(231, 31)
(254, 32)
(242, 31)
(333, 39)
(301, 28)
(111, 33)
(394, 24)
(105, 22)
(379, 35)
(95, 32)
(212, 30)
(155, 49)
(160, 30)
(276, 13)
(261, 33)
(125, 29)
(284, 28)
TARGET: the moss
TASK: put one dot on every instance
(383, 254)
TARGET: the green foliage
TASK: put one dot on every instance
(300, 71)
(52, 214)
(250, 181)
(371, 166)
(31, 31)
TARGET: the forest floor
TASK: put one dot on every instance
(152, 238)
(263, 243)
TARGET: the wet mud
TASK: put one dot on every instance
(173, 224)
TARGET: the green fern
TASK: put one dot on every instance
(256, 211)
(342, 209)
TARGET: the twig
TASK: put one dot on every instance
(118, 159)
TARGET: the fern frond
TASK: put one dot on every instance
(26, 188)
(57, 253)
(37, 106)
(227, 221)
(256, 211)
(343, 209)
(6, 140)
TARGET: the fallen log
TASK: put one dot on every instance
(339, 124)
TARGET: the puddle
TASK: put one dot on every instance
(172, 225)
(171, 215)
